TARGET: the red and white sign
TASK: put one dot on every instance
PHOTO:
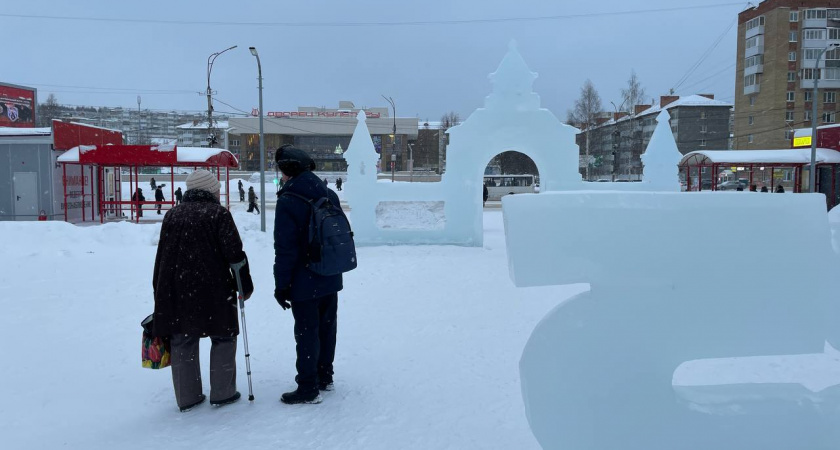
(318, 114)
(17, 107)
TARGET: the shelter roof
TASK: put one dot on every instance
(149, 155)
(8, 131)
(796, 156)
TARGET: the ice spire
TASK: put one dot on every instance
(513, 83)
(661, 158)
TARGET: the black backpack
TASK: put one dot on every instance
(331, 248)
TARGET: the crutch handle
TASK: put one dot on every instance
(240, 295)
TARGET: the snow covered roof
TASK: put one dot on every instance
(691, 100)
(794, 156)
(148, 155)
(221, 124)
(8, 131)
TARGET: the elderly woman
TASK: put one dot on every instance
(195, 291)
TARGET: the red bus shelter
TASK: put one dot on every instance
(116, 159)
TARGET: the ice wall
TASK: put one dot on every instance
(669, 288)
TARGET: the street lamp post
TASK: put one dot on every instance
(211, 141)
(812, 175)
(262, 143)
(394, 143)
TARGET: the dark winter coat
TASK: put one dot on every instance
(138, 197)
(193, 283)
(159, 195)
(486, 193)
(291, 235)
(252, 196)
(178, 194)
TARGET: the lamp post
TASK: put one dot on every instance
(812, 171)
(262, 143)
(616, 133)
(394, 143)
(211, 140)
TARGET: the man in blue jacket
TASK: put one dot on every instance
(313, 298)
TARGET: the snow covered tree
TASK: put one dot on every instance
(48, 111)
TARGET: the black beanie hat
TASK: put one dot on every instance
(293, 161)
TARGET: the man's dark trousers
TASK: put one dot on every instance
(315, 331)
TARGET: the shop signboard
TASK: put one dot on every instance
(17, 106)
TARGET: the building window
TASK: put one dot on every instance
(788, 134)
(234, 142)
(807, 116)
(831, 74)
(828, 117)
(794, 16)
(751, 120)
(834, 33)
(791, 77)
(788, 116)
(757, 22)
(815, 14)
(791, 56)
(808, 95)
(753, 42)
(702, 142)
(750, 80)
(704, 128)
(752, 100)
(750, 138)
(792, 36)
(810, 74)
(791, 96)
(815, 34)
(756, 60)
(829, 97)
(702, 114)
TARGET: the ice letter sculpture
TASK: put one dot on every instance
(705, 326)
(450, 212)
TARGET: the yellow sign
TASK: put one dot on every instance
(804, 141)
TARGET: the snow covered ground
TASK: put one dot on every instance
(428, 348)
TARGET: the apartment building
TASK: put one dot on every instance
(616, 144)
(783, 47)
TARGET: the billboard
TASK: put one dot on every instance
(17, 106)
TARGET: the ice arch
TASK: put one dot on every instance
(510, 119)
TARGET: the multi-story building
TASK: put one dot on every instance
(325, 134)
(618, 141)
(779, 43)
(197, 134)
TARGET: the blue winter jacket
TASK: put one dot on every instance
(291, 235)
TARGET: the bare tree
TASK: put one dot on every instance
(447, 121)
(48, 111)
(585, 113)
(634, 94)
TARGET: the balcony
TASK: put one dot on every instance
(754, 89)
(824, 84)
(759, 68)
(757, 50)
(754, 32)
(814, 23)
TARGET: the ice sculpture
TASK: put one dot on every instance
(511, 119)
(671, 288)
(661, 158)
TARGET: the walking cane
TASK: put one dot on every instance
(241, 297)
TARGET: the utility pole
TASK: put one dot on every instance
(211, 139)
(138, 121)
(394, 142)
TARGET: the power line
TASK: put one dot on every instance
(372, 24)
(705, 55)
(129, 90)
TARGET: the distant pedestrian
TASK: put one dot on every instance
(338, 183)
(326, 183)
(178, 196)
(241, 192)
(152, 183)
(764, 189)
(139, 198)
(780, 189)
(194, 291)
(485, 195)
(739, 188)
(252, 200)
(159, 197)
(753, 188)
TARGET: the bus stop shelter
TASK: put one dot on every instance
(109, 163)
(703, 170)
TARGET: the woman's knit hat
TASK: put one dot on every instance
(203, 180)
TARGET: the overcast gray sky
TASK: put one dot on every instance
(428, 69)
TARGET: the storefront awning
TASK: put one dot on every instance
(791, 157)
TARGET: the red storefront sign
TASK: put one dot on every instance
(17, 107)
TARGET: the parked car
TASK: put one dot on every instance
(731, 185)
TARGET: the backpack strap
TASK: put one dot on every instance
(311, 234)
